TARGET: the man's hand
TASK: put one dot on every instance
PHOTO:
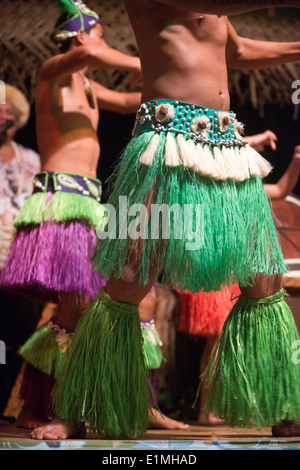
(260, 141)
(296, 156)
(136, 78)
(288, 181)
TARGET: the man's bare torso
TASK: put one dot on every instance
(183, 53)
(67, 126)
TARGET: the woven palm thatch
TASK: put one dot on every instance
(25, 45)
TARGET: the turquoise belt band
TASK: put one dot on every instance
(197, 122)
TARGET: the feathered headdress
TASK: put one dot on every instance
(76, 15)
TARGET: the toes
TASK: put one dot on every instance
(58, 430)
(51, 436)
(185, 426)
(36, 433)
(42, 434)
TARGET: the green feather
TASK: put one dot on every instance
(66, 6)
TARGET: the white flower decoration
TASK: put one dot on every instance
(224, 121)
(239, 130)
(65, 35)
(201, 125)
(62, 339)
(164, 112)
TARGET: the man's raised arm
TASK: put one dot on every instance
(228, 7)
(250, 54)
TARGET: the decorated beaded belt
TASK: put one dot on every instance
(208, 141)
(197, 122)
(67, 182)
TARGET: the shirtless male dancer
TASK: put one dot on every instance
(187, 148)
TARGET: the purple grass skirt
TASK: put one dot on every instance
(50, 259)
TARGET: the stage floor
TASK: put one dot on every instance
(193, 439)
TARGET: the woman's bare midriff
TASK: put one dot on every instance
(79, 156)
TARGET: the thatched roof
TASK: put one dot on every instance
(25, 42)
(25, 45)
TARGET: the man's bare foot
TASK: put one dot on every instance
(59, 429)
(209, 419)
(286, 429)
(30, 418)
(159, 420)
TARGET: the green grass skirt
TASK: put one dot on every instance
(253, 378)
(43, 351)
(231, 238)
(104, 380)
(61, 207)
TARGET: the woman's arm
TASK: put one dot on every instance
(93, 57)
(111, 100)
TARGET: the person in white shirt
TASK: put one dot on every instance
(18, 165)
